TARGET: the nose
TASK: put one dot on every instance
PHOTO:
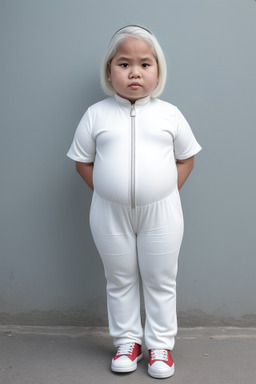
(135, 73)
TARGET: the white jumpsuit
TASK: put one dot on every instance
(136, 216)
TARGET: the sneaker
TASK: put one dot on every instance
(160, 363)
(126, 358)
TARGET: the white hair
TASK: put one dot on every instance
(142, 34)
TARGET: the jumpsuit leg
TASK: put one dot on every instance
(159, 240)
(116, 244)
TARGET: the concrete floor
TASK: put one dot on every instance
(76, 355)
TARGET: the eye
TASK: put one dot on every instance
(145, 65)
(124, 65)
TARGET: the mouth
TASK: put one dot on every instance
(135, 85)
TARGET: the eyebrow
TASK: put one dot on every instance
(123, 58)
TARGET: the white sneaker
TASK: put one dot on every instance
(160, 363)
(126, 358)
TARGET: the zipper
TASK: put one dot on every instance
(133, 115)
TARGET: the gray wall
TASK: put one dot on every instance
(51, 51)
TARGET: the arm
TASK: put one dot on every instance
(85, 171)
(184, 167)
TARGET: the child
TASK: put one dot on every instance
(136, 151)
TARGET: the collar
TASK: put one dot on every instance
(137, 103)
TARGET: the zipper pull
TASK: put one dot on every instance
(133, 111)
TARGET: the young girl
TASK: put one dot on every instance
(135, 152)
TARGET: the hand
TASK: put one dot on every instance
(184, 167)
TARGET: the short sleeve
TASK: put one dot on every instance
(185, 143)
(83, 146)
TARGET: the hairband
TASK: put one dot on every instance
(132, 25)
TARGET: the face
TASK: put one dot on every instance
(133, 71)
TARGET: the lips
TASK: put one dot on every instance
(135, 85)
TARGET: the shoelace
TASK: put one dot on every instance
(125, 349)
(159, 354)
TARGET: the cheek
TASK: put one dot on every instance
(117, 77)
(154, 79)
